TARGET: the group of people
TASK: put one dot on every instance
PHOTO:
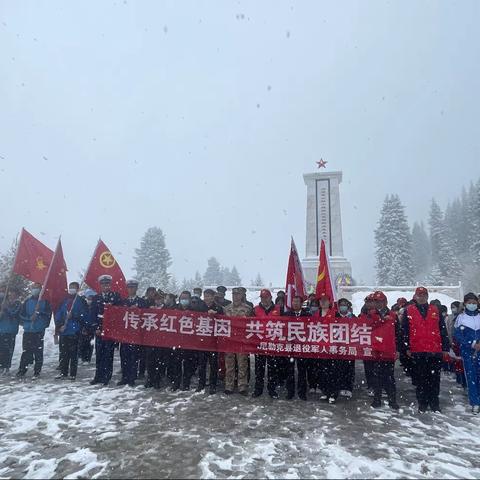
(427, 340)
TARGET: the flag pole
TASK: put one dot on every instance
(10, 277)
(83, 279)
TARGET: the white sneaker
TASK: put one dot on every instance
(323, 397)
(331, 400)
(312, 390)
(371, 393)
(476, 409)
(348, 394)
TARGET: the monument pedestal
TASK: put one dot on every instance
(324, 221)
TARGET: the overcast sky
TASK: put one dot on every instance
(201, 117)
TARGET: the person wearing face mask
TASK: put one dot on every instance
(35, 317)
(87, 333)
(70, 318)
(368, 306)
(266, 308)
(346, 368)
(210, 358)
(9, 323)
(467, 334)
(297, 311)
(104, 349)
(184, 362)
(156, 357)
(129, 352)
(329, 380)
(425, 341)
(383, 371)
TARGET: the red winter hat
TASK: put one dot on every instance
(265, 292)
(323, 295)
(369, 298)
(421, 291)
(379, 296)
(401, 302)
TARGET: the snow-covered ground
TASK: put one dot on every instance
(73, 430)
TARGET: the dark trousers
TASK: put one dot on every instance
(156, 362)
(182, 367)
(427, 377)
(368, 366)
(273, 365)
(313, 372)
(7, 346)
(32, 345)
(330, 380)
(346, 372)
(85, 347)
(104, 351)
(142, 360)
(383, 379)
(129, 362)
(302, 365)
(69, 354)
(212, 359)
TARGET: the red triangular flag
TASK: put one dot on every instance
(32, 258)
(295, 280)
(104, 263)
(55, 287)
(324, 280)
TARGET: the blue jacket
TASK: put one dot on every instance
(78, 318)
(467, 331)
(43, 316)
(10, 318)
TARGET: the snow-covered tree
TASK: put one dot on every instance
(213, 275)
(421, 251)
(258, 282)
(473, 224)
(173, 286)
(15, 281)
(235, 280)
(443, 251)
(393, 241)
(152, 261)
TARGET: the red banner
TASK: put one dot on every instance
(311, 337)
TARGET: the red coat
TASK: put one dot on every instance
(259, 311)
(424, 333)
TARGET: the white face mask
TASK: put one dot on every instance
(72, 291)
(36, 291)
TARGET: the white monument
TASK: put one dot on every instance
(324, 220)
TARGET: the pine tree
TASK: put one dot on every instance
(198, 280)
(473, 224)
(235, 280)
(225, 278)
(213, 275)
(421, 251)
(393, 245)
(173, 286)
(152, 260)
(16, 282)
(443, 251)
(258, 282)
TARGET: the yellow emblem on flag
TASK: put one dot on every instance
(40, 264)
(322, 275)
(107, 260)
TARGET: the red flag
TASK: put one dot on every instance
(55, 287)
(104, 263)
(32, 258)
(324, 280)
(295, 280)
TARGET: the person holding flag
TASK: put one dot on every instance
(35, 317)
(104, 349)
(70, 318)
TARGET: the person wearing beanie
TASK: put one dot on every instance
(467, 334)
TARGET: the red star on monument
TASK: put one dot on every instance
(322, 163)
